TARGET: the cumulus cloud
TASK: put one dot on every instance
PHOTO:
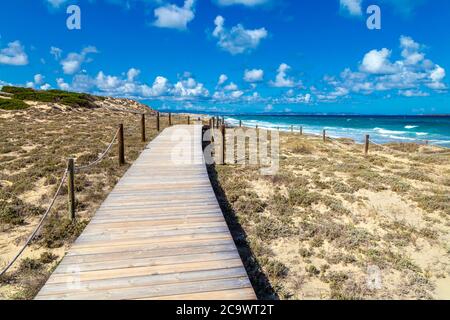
(254, 75)
(56, 3)
(38, 79)
(248, 3)
(38, 83)
(281, 79)
(409, 76)
(237, 40)
(353, 7)
(128, 86)
(132, 74)
(377, 62)
(14, 54)
(56, 52)
(174, 17)
(72, 63)
(222, 79)
(189, 87)
(231, 87)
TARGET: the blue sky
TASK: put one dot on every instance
(236, 55)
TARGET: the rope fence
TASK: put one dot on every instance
(38, 227)
(101, 156)
(214, 123)
(70, 171)
(366, 143)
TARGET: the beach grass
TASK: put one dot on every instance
(34, 149)
(331, 215)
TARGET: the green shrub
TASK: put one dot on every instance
(57, 96)
(57, 231)
(12, 104)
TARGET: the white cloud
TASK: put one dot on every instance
(128, 86)
(413, 93)
(62, 84)
(56, 52)
(353, 7)
(132, 74)
(189, 87)
(222, 79)
(38, 79)
(410, 50)
(172, 16)
(160, 86)
(237, 94)
(56, 3)
(377, 62)
(248, 3)
(231, 87)
(14, 54)
(438, 74)
(281, 79)
(237, 40)
(72, 63)
(254, 75)
(410, 76)
(38, 83)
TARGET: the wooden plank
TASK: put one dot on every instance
(160, 234)
(158, 279)
(149, 291)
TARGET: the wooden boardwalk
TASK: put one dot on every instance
(160, 234)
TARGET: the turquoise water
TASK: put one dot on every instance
(382, 129)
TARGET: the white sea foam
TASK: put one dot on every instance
(411, 127)
(386, 131)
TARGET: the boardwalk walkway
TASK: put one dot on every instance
(160, 234)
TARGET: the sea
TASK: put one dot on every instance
(434, 130)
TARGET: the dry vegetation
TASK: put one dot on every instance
(34, 147)
(331, 216)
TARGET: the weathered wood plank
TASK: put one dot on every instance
(160, 234)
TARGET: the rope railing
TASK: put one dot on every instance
(67, 172)
(72, 169)
(101, 156)
(38, 227)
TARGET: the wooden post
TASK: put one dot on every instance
(189, 120)
(366, 146)
(71, 188)
(143, 127)
(301, 130)
(292, 128)
(170, 119)
(157, 122)
(222, 145)
(256, 127)
(121, 146)
(324, 135)
(240, 123)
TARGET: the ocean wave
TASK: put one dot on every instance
(386, 131)
(411, 127)
(401, 138)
